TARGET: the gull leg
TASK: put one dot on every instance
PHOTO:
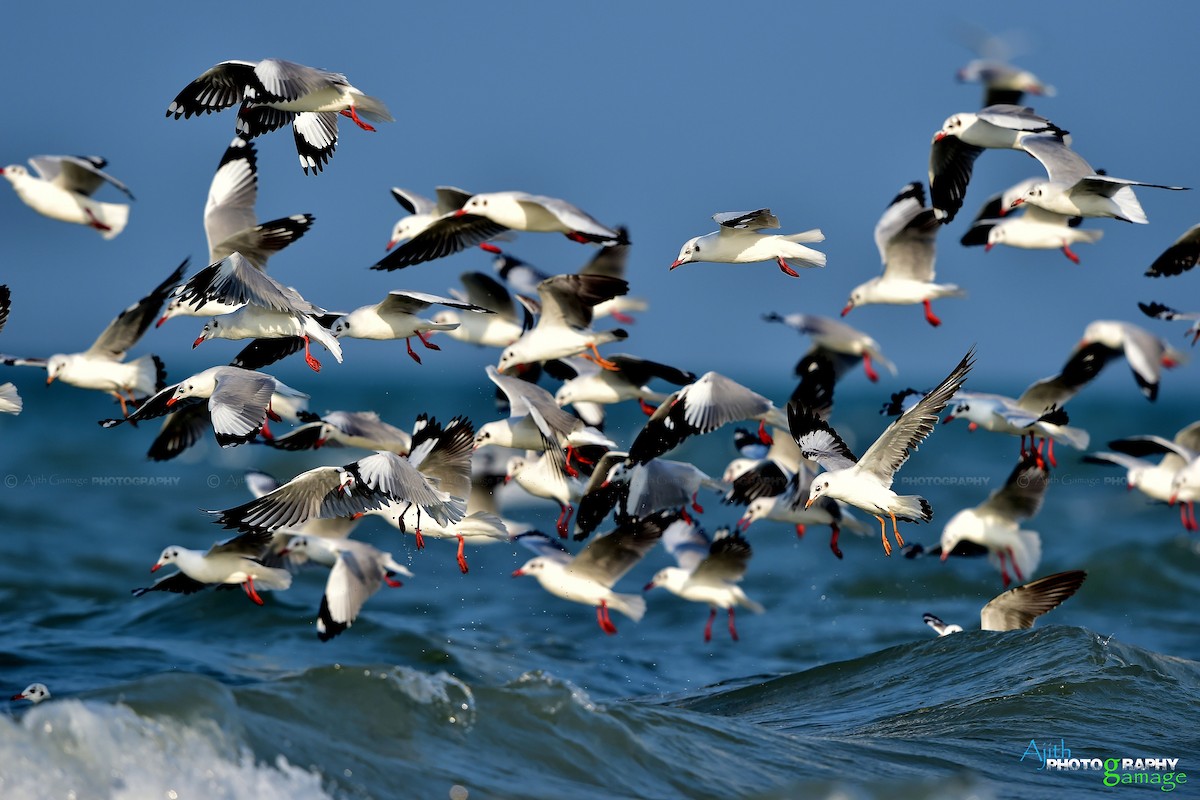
(353, 114)
(248, 586)
(424, 337)
(930, 317)
(1004, 570)
(872, 375)
(411, 352)
(564, 519)
(763, 436)
(1066, 248)
(833, 540)
(712, 614)
(420, 539)
(1016, 569)
(600, 360)
(313, 364)
(732, 627)
(576, 236)
(390, 581)
(786, 270)
(799, 530)
(94, 222)
(606, 623)
(699, 509)
(1049, 455)
(896, 530)
(462, 560)
(887, 546)
(624, 319)
(647, 409)
(124, 404)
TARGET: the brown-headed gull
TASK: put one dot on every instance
(964, 136)
(423, 212)
(1074, 189)
(10, 399)
(548, 476)
(707, 572)
(996, 522)
(564, 327)
(272, 93)
(234, 561)
(498, 329)
(1003, 82)
(398, 317)
(34, 693)
(628, 381)
(1039, 410)
(1146, 353)
(906, 236)
(838, 339)
(866, 483)
(239, 402)
(486, 215)
(610, 260)
(342, 491)
(1035, 229)
(357, 571)
(1182, 255)
(740, 240)
(63, 189)
(1160, 311)
(1017, 609)
(701, 407)
(102, 366)
(1156, 480)
(259, 308)
(362, 429)
(589, 576)
(636, 490)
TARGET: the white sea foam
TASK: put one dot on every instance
(76, 749)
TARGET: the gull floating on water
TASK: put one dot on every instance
(34, 693)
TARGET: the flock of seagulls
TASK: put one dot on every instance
(438, 479)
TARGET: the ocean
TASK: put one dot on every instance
(485, 686)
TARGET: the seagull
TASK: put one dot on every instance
(63, 189)
(239, 401)
(866, 483)
(357, 571)
(346, 490)
(627, 381)
(362, 429)
(259, 307)
(837, 339)
(500, 328)
(588, 577)
(235, 561)
(1034, 229)
(1074, 189)
(1017, 609)
(964, 136)
(397, 318)
(102, 366)
(34, 693)
(423, 212)
(708, 571)
(1159, 311)
(487, 215)
(548, 477)
(271, 93)
(565, 325)
(739, 241)
(10, 399)
(906, 236)
(700, 407)
(1146, 353)
(995, 523)
(1182, 255)
(1156, 480)
(1003, 82)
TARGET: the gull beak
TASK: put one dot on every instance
(937, 137)
(196, 343)
(49, 379)
(490, 248)
(949, 418)
(809, 502)
(648, 586)
(284, 552)
(987, 248)
(16, 696)
(945, 554)
(846, 310)
(676, 264)
(1016, 202)
(172, 401)
(320, 443)
(1171, 500)
(462, 212)
(161, 320)
(518, 573)
(155, 568)
(391, 243)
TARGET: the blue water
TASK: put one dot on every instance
(488, 683)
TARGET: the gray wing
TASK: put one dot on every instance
(259, 242)
(80, 174)
(399, 302)
(728, 558)
(568, 299)
(543, 545)
(525, 398)
(817, 439)
(238, 405)
(1018, 608)
(448, 462)
(747, 220)
(906, 236)
(367, 425)
(310, 494)
(571, 216)
(715, 400)
(607, 558)
(355, 576)
(611, 259)
(1022, 494)
(249, 544)
(486, 292)
(231, 195)
(125, 331)
(398, 479)
(1062, 164)
(414, 203)
(1020, 118)
(686, 543)
(287, 80)
(234, 280)
(450, 199)
(896, 443)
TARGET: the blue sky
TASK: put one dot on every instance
(651, 115)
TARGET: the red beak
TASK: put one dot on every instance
(171, 401)
(987, 248)
(517, 573)
(846, 310)
(155, 568)
(937, 137)
(945, 554)
(196, 343)
(460, 213)
(648, 586)
(676, 264)
(391, 243)
(161, 320)
(1017, 202)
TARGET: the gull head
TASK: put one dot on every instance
(486, 435)
(819, 487)
(406, 228)
(856, 298)
(511, 358)
(953, 126)
(346, 481)
(532, 567)
(171, 554)
(670, 578)
(689, 252)
(209, 330)
(998, 234)
(14, 172)
(757, 509)
(54, 367)
(34, 692)
(340, 327)
(478, 205)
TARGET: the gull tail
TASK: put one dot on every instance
(913, 508)
(947, 290)
(1131, 209)
(10, 401)
(630, 605)
(272, 578)
(113, 216)
(372, 108)
(746, 602)
(804, 237)
(319, 333)
(1075, 437)
(148, 369)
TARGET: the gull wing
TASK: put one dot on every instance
(1018, 608)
